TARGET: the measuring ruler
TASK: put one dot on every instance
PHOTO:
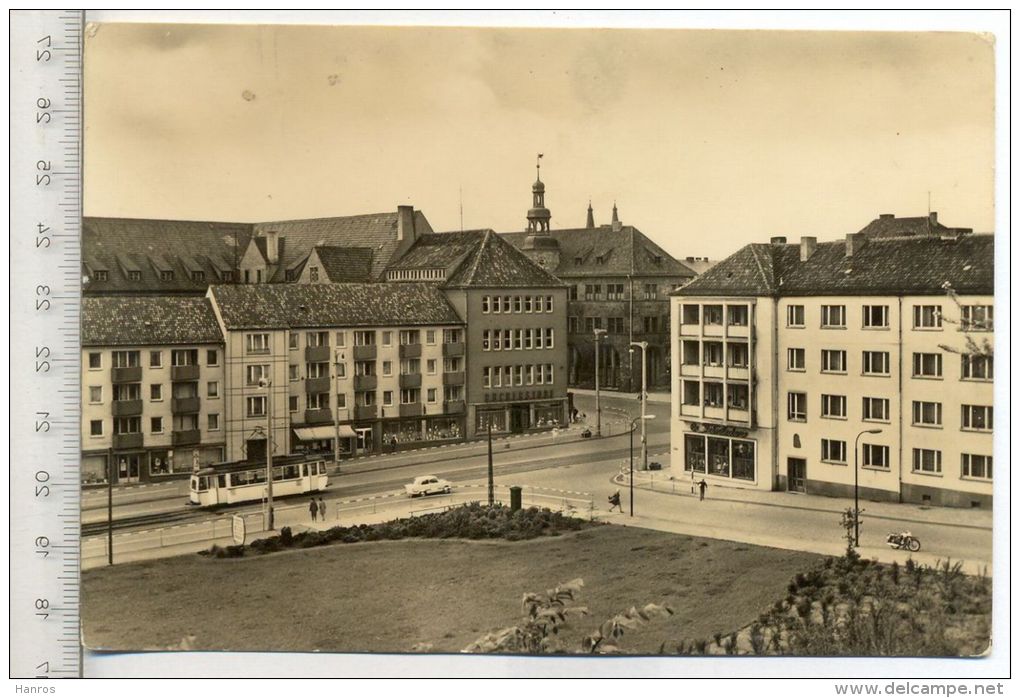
(45, 219)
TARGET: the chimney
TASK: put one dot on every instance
(886, 216)
(405, 223)
(854, 243)
(617, 225)
(933, 218)
(272, 247)
(807, 247)
(778, 240)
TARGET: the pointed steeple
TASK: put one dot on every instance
(591, 217)
(617, 226)
(538, 215)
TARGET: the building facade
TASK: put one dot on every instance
(618, 284)
(152, 388)
(801, 366)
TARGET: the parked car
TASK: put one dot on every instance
(428, 484)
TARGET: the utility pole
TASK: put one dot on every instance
(598, 399)
(492, 486)
(338, 358)
(644, 399)
(109, 508)
(268, 385)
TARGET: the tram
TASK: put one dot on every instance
(243, 481)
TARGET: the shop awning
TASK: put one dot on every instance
(325, 432)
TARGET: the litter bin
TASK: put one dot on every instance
(515, 498)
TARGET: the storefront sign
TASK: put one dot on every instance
(717, 429)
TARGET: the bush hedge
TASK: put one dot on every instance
(472, 521)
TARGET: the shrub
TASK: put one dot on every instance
(286, 536)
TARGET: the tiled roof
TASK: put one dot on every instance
(147, 320)
(623, 252)
(888, 226)
(267, 306)
(112, 247)
(344, 264)
(375, 231)
(476, 258)
(881, 266)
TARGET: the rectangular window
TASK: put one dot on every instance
(364, 338)
(127, 425)
(927, 460)
(486, 340)
(155, 392)
(95, 360)
(539, 338)
(795, 316)
(738, 315)
(387, 338)
(976, 367)
(517, 304)
(615, 325)
(833, 361)
(341, 401)
(796, 407)
(431, 396)
(430, 337)
(292, 403)
(875, 363)
(738, 355)
(497, 340)
(529, 338)
(125, 359)
(548, 304)
(651, 324)
(410, 396)
(976, 417)
(387, 398)
(317, 339)
(548, 374)
(713, 354)
(212, 357)
(572, 325)
(518, 338)
(341, 339)
(713, 394)
(487, 377)
(614, 292)
(430, 367)
(531, 375)
(292, 341)
(506, 304)
(834, 451)
(834, 406)
(713, 314)
(875, 409)
(184, 357)
(927, 317)
(155, 359)
(927, 414)
(95, 394)
(690, 314)
(453, 364)
(875, 317)
(96, 427)
(974, 466)
(258, 343)
(548, 338)
(294, 372)
(256, 406)
(834, 316)
(485, 304)
(794, 359)
(155, 425)
(692, 393)
(387, 368)
(737, 396)
(528, 305)
(875, 456)
(976, 318)
(410, 366)
(518, 375)
(317, 401)
(213, 422)
(593, 292)
(927, 365)
(257, 372)
(212, 389)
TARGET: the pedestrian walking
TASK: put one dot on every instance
(702, 486)
(322, 509)
(614, 501)
(313, 509)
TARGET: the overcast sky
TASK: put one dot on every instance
(705, 139)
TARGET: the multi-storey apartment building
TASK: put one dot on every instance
(618, 283)
(798, 364)
(152, 388)
(515, 316)
(378, 366)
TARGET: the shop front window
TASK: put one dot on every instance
(494, 418)
(402, 432)
(719, 457)
(548, 415)
(743, 460)
(442, 429)
(694, 453)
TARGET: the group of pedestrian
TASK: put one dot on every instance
(317, 509)
(615, 503)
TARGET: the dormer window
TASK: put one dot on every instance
(102, 275)
(228, 276)
(313, 273)
(600, 259)
(578, 261)
(135, 275)
(290, 275)
(166, 276)
(197, 276)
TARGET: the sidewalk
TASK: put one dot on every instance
(665, 481)
(661, 398)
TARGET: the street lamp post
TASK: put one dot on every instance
(857, 507)
(644, 399)
(598, 401)
(338, 359)
(268, 385)
(633, 422)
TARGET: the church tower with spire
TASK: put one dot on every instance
(590, 224)
(539, 245)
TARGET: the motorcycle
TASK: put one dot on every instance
(903, 541)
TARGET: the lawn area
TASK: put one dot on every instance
(388, 596)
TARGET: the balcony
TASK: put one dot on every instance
(317, 385)
(740, 373)
(184, 373)
(690, 410)
(718, 413)
(128, 374)
(185, 405)
(126, 408)
(714, 371)
(410, 351)
(366, 411)
(453, 349)
(712, 330)
(742, 331)
(365, 352)
(410, 380)
(124, 441)
(736, 414)
(453, 378)
(186, 438)
(690, 330)
(317, 354)
(319, 416)
(453, 407)
(365, 382)
(690, 370)
(413, 409)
